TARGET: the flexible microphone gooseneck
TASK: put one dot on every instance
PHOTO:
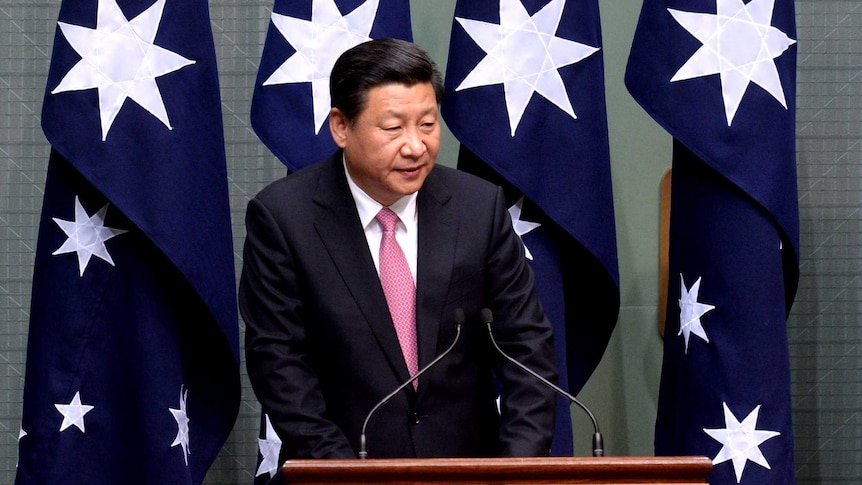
(598, 445)
(459, 321)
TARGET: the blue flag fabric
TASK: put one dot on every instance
(719, 75)
(525, 97)
(133, 356)
(291, 102)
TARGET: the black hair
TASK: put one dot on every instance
(376, 63)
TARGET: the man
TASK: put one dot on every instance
(327, 336)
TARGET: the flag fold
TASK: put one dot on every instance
(719, 76)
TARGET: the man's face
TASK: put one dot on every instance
(392, 144)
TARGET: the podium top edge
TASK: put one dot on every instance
(683, 469)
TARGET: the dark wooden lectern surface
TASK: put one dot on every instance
(516, 471)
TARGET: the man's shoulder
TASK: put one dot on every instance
(293, 186)
(459, 180)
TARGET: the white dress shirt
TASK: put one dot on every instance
(406, 230)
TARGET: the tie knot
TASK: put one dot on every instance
(387, 219)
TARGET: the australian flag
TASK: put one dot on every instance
(290, 105)
(525, 97)
(719, 75)
(132, 363)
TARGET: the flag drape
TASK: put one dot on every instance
(133, 356)
(719, 76)
(525, 97)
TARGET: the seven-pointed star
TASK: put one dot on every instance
(740, 440)
(182, 419)
(269, 448)
(87, 236)
(740, 45)
(690, 311)
(119, 58)
(73, 413)
(318, 45)
(523, 54)
(522, 227)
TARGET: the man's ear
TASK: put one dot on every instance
(338, 127)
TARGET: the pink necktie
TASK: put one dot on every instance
(399, 289)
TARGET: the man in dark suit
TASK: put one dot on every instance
(327, 336)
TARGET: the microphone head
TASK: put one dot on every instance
(459, 316)
(487, 316)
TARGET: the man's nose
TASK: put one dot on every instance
(413, 145)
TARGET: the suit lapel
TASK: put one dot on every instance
(338, 226)
(437, 238)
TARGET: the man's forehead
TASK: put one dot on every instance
(390, 84)
(394, 95)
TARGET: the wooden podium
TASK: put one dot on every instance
(511, 471)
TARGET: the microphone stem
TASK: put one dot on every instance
(363, 453)
(598, 445)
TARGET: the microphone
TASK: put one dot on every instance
(598, 446)
(459, 321)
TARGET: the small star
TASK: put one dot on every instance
(120, 59)
(524, 54)
(318, 45)
(690, 311)
(269, 448)
(739, 44)
(740, 441)
(87, 236)
(522, 227)
(73, 413)
(182, 420)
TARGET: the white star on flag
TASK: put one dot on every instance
(73, 413)
(318, 45)
(269, 448)
(182, 419)
(739, 44)
(740, 440)
(690, 311)
(120, 59)
(522, 227)
(523, 54)
(86, 236)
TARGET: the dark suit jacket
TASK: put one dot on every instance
(321, 349)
